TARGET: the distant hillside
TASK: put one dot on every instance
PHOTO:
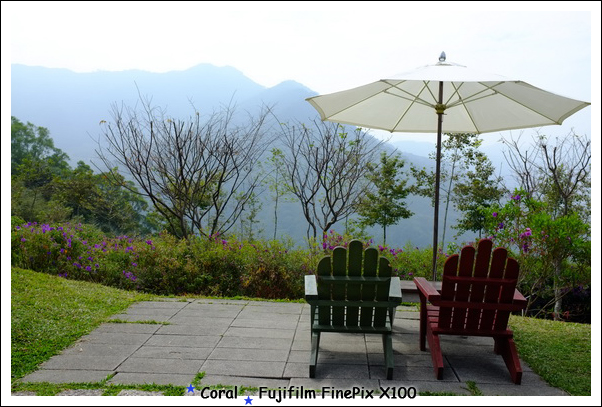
(71, 105)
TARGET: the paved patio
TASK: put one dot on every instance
(267, 344)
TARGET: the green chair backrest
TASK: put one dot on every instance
(355, 281)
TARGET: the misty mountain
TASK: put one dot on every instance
(71, 105)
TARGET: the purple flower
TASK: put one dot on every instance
(23, 239)
(149, 242)
(516, 197)
(494, 214)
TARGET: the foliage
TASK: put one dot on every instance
(163, 264)
(552, 251)
(32, 145)
(385, 206)
(45, 188)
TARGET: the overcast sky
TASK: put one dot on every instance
(326, 46)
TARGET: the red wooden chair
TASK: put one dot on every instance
(476, 298)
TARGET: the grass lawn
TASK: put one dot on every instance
(559, 352)
(50, 313)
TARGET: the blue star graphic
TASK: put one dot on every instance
(190, 389)
(248, 400)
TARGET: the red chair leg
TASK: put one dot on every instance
(436, 356)
(507, 348)
(423, 322)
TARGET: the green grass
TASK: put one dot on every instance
(559, 352)
(49, 313)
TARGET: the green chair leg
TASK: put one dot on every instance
(388, 350)
(313, 357)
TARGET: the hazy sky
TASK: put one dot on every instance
(326, 46)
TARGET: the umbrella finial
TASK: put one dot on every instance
(442, 56)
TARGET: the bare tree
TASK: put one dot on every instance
(198, 175)
(558, 172)
(325, 167)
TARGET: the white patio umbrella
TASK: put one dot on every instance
(464, 100)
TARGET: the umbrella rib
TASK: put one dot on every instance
(414, 99)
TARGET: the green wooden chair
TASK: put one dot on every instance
(353, 292)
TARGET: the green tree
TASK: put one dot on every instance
(32, 145)
(385, 206)
(545, 244)
(477, 190)
(276, 182)
(464, 169)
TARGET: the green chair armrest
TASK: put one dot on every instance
(311, 288)
(395, 290)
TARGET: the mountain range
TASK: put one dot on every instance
(71, 105)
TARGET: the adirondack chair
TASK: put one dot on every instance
(476, 298)
(353, 292)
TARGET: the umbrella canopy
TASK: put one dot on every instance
(464, 100)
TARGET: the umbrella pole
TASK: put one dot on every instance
(440, 108)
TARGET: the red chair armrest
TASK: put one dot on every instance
(426, 289)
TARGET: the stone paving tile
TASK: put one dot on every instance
(260, 333)
(244, 368)
(200, 321)
(172, 352)
(265, 324)
(254, 343)
(115, 338)
(193, 341)
(424, 360)
(153, 313)
(530, 386)
(209, 329)
(81, 392)
(275, 307)
(412, 373)
(23, 393)
(139, 318)
(155, 365)
(267, 355)
(220, 301)
(67, 376)
(335, 371)
(150, 378)
(128, 328)
(82, 362)
(139, 393)
(260, 313)
(100, 349)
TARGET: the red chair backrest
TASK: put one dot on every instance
(472, 279)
